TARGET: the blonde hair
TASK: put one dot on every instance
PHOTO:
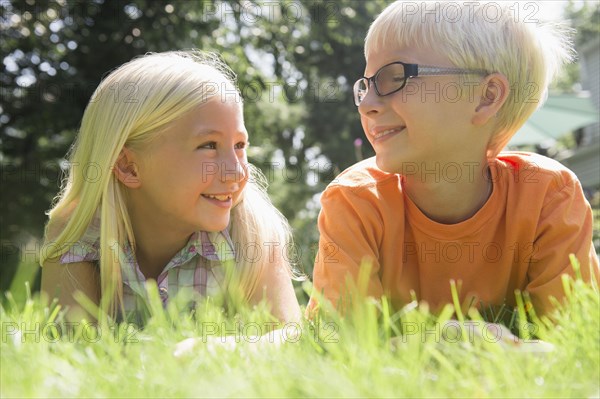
(131, 106)
(490, 36)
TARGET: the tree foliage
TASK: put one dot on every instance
(585, 19)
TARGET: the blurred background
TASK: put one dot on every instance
(296, 62)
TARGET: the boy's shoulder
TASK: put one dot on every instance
(363, 174)
(524, 169)
(363, 186)
(527, 167)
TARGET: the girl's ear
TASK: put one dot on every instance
(126, 170)
(495, 90)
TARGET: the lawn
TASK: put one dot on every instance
(371, 353)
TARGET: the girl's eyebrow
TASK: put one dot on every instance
(207, 132)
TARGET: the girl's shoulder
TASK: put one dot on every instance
(87, 247)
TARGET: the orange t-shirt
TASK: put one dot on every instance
(520, 239)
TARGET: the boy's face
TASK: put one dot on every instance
(428, 123)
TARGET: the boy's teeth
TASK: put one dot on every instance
(385, 132)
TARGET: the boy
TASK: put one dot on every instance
(446, 86)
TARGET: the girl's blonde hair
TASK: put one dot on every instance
(492, 36)
(130, 107)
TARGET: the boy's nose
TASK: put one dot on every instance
(371, 103)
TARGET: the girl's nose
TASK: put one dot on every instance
(233, 169)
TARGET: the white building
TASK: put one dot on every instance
(585, 160)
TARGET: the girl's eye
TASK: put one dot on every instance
(241, 145)
(212, 145)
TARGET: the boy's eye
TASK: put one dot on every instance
(211, 145)
(241, 145)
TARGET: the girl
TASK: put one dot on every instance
(159, 187)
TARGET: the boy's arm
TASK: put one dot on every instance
(61, 281)
(350, 231)
(565, 228)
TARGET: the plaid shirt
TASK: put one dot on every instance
(198, 265)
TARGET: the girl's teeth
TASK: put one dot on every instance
(218, 197)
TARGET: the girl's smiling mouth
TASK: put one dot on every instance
(221, 200)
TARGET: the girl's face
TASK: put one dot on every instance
(195, 171)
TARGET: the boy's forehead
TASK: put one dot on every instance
(408, 54)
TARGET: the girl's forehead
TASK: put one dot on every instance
(221, 113)
(227, 94)
(225, 104)
(216, 113)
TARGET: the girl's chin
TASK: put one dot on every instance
(215, 226)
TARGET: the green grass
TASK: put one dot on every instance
(362, 355)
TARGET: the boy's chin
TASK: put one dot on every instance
(388, 165)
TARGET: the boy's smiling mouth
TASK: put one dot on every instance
(381, 132)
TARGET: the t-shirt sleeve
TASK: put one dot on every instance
(350, 230)
(565, 228)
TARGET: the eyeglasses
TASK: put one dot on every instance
(392, 77)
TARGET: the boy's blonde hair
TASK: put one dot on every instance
(493, 36)
(131, 106)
